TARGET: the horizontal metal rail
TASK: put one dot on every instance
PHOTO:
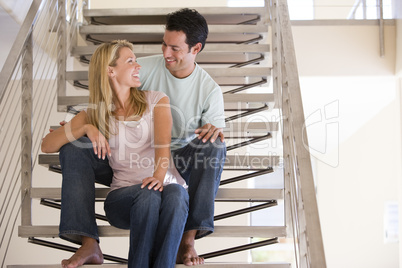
(247, 176)
(58, 246)
(240, 248)
(234, 213)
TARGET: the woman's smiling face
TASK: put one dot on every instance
(126, 70)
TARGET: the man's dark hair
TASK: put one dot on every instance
(192, 23)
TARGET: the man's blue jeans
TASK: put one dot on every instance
(200, 164)
(155, 219)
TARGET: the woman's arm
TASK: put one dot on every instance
(162, 139)
(72, 131)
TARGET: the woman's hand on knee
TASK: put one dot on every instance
(153, 183)
(99, 142)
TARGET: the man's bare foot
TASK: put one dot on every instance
(187, 254)
(88, 253)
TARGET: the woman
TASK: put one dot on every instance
(132, 128)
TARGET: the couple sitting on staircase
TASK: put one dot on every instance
(163, 178)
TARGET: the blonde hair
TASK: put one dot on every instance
(100, 92)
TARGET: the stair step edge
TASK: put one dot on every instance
(221, 48)
(212, 71)
(51, 231)
(223, 194)
(163, 11)
(241, 127)
(160, 29)
(235, 161)
(227, 98)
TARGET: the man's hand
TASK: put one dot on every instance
(209, 132)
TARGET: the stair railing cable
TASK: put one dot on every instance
(28, 82)
(300, 197)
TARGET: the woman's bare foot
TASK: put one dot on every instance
(88, 253)
(187, 254)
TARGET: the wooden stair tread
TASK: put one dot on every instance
(213, 72)
(157, 49)
(231, 101)
(232, 161)
(163, 11)
(212, 54)
(239, 128)
(160, 29)
(227, 98)
(110, 231)
(224, 194)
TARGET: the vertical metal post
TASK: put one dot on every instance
(26, 132)
(276, 59)
(364, 8)
(381, 26)
(61, 49)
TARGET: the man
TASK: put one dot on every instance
(197, 108)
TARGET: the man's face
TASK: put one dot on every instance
(179, 60)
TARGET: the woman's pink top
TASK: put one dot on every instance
(133, 150)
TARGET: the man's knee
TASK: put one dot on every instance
(175, 197)
(175, 191)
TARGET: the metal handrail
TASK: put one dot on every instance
(300, 196)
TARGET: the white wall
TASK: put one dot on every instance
(16, 8)
(7, 35)
(356, 141)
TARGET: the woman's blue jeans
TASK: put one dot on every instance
(81, 168)
(155, 219)
(200, 164)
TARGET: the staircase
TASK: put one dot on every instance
(244, 55)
